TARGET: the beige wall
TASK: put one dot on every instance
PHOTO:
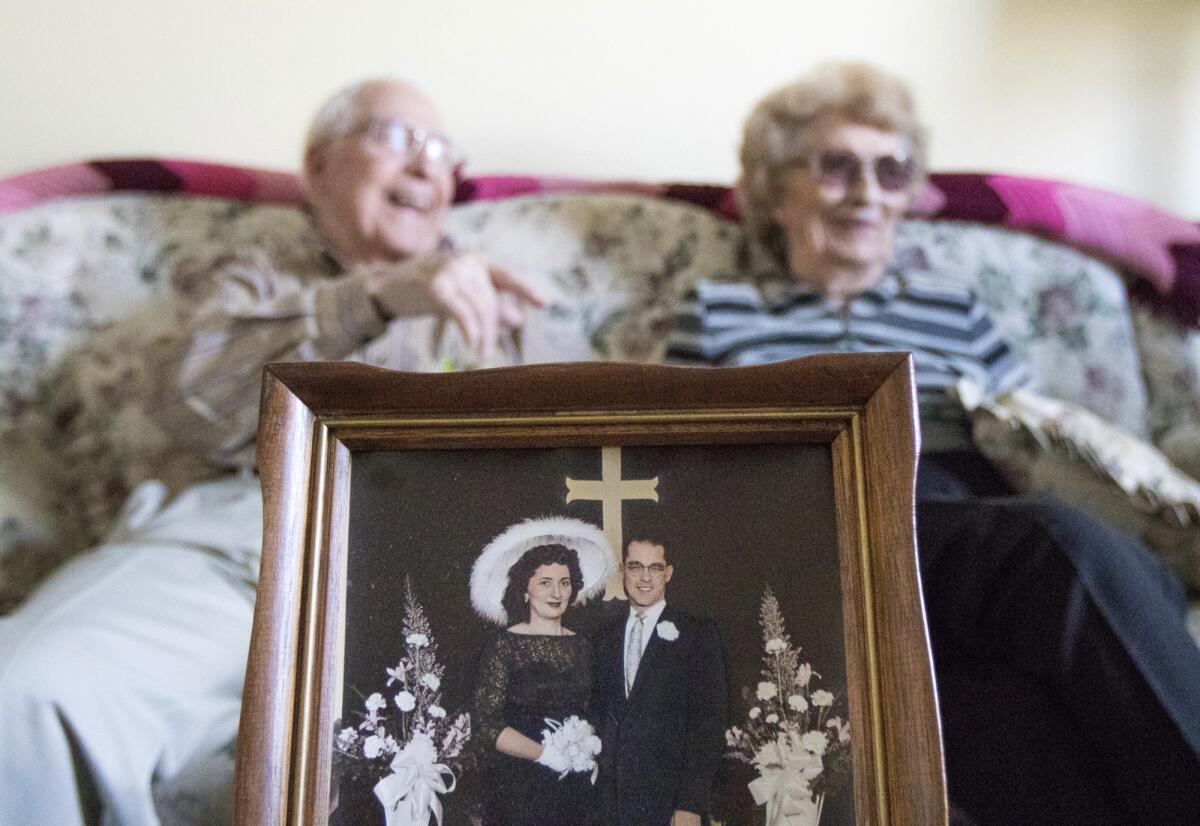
(1105, 92)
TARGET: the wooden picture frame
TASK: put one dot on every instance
(838, 428)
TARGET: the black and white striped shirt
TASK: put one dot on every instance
(948, 332)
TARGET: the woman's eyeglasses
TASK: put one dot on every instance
(397, 136)
(839, 168)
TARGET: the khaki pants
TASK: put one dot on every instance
(128, 662)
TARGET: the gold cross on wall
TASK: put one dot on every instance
(611, 490)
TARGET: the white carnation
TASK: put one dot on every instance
(373, 746)
(821, 697)
(437, 712)
(405, 701)
(798, 703)
(767, 690)
(375, 702)
(431, 682)
(733, 737)
(814, 741)
(417, 640)
(346, 738)
(667, 630)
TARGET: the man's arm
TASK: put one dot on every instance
(707, 713)
(250, 312)
(209, 370)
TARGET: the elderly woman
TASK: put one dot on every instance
(537, 670)
(127, 665)
(1066, 678)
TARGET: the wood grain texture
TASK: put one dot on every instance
(261, 786)
(911, 727)
(316, 416)
(332, 389)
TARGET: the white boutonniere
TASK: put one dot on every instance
(667, 630)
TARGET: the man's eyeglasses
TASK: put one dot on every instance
(839, 168)
(655, 568)
(397, 136)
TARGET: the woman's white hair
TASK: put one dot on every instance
(780, 130)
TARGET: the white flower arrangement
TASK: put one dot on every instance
(415, 751)
(801, 751)
(570, 746)
(667, 630)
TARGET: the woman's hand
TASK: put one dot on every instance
(554, 758)
(558, 742)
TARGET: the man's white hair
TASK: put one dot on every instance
(337, 115)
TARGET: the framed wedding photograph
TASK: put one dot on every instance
(590, 593)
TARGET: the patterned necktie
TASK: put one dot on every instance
(633, 654)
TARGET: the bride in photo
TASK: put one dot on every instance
(535, 676)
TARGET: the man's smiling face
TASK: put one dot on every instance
(646, 586)
(375, 197)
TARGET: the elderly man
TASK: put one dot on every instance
(128, 663)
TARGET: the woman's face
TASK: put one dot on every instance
(549, 591)
(839, 204)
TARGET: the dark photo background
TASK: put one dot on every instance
(733, 518)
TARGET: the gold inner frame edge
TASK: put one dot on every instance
(328, 429)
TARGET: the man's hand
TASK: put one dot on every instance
(481, 298)
(682, 818)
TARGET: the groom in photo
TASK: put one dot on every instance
(660, 702)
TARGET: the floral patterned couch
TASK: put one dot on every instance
(1098, 293)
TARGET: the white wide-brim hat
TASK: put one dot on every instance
(489, 576)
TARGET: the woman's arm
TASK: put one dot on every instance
(515, 744)
(491, 696)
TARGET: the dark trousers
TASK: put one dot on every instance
(1068, 684)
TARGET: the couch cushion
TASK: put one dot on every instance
(1065, 314)
(1171, 368)
(72, 377)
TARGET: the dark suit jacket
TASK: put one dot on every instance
(662, 745)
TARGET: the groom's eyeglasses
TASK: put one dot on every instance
(655, 569)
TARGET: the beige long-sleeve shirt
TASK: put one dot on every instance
(246, 312)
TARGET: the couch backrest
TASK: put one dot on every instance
(84, 284)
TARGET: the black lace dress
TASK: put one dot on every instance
(524, 679)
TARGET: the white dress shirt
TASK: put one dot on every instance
(651, 614)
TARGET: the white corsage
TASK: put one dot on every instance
(570, 746)
(667, 630)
